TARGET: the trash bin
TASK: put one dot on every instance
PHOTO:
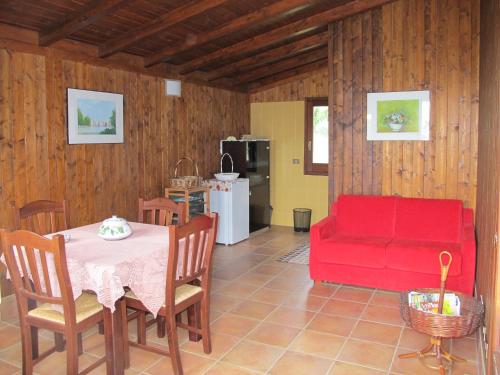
(301, 219)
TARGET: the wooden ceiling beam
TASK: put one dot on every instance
(273, 80)
(159, 24)
(282, 8)
(288, 50)
(92, 13)
(268, 70)
(284, 32)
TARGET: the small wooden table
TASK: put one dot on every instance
(184, 195)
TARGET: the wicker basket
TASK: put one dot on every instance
(186, 182)
(439, 325)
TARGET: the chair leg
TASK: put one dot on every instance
(204, 314)
(34, 333)
(160, 326)
(34, 342)
(173, 345)
(79, 339)
(71, 354)
(27, 345)
(141, 328)
(193, 313)
(100, 328)
(126, 352)
(59, 341)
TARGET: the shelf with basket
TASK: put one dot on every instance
(188, 189)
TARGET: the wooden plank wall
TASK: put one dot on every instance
(407, 45)
(99, 180)
(488, 193)
(310, 85)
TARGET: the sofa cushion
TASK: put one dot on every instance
(366, 215)
(353, 251)
(428, 219)
(422, 256)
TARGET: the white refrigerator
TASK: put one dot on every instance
(230, 199)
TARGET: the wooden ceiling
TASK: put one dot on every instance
(235, 44)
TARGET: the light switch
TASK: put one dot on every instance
(295, 161)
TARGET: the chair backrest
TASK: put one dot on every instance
(160, 211)
(41, 216)
(38, 270)
(190, 253)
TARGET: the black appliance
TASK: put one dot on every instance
(251, 160)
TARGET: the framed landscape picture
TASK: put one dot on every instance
(399, 116)
(94, 117)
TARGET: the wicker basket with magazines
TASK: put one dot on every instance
(433, 324)
(440, 314)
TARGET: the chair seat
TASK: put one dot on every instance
(182, 293)
(85, 306)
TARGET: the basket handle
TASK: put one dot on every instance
(230, 158)
(191, 160)
(444, 266)
(444, 274)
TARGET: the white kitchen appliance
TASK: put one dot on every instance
(230, 199)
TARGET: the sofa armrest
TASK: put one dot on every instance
(319, 231)
(323, 228)
(468, 225)
(468, 250)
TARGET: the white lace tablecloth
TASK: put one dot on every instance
(105, 267)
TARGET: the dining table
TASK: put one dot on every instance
(105, 267)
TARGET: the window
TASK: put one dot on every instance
(316, 137)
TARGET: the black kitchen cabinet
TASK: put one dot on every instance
(251, 160)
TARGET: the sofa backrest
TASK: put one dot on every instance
(366, 215)
(437, 220)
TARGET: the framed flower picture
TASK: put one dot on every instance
(398, 116)
(94, 117)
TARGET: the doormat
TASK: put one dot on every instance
(298, 255)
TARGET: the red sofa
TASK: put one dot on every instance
(393, 243)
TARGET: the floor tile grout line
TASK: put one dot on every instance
(250, 332)
(337, 357)
(396, 350)
(359, 319)
(261, 321)
(303, 329)
(219, 360)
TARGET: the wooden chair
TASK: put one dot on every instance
(187, 287)
(41, 216)
(161, 211)
(31, 281)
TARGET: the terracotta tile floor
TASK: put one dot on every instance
(267, 318)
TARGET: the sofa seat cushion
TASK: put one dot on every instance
(354, 251)
(422, 256)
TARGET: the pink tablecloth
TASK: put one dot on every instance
(105, 267)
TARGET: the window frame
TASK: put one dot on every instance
(310, 168)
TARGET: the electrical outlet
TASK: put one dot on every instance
(295, 161)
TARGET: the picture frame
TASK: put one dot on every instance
(94, 117)
(398, 116)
